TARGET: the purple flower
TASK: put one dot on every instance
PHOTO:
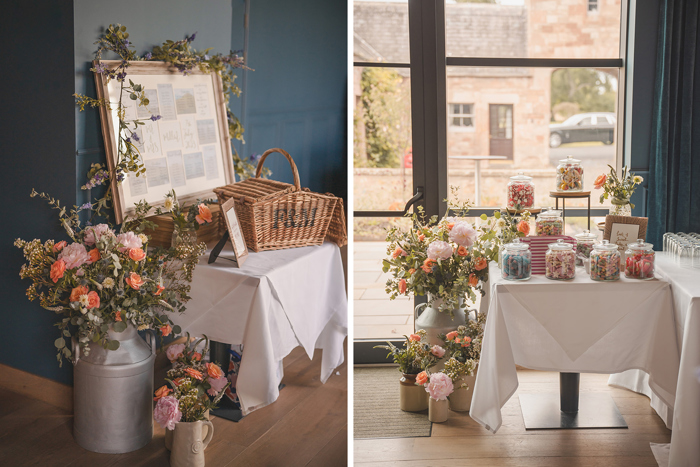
(100, 68)
(121, 76)
(155, 117)
(135, 136)
(191, 38)
(148, 56)
(85, 207)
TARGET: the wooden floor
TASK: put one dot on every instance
(306, 426)
(461, 441)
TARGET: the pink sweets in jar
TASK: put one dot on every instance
(521, 192)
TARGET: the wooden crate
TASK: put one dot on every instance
(164, 234)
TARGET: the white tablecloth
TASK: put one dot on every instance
(277, 301)
(685, 417)
(574, 326)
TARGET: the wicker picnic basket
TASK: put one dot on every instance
(276, 215)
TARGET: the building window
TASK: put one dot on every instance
(461, 115)
(592, 6)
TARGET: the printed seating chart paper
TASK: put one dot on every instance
(188, 149)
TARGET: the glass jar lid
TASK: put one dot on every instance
(561, 245)
(586, 235)
(640, 245)
(521, 177)
(551, 213)
(517, 245)
(570, 160)
(605, 245)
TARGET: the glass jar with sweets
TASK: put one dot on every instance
(640, 260)
(521, 192)
(584, 245)
(605, 262)
(569, 175)
(560, 261)
(549, 222)
(516, 264)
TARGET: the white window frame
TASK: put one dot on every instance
(451, 115)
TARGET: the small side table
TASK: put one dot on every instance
(564, 195)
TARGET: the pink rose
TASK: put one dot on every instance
(74, 255)
(167, 412)
(217, 384)
(94, 234)
(440, 386)
(173, 352)
(438, 351)
(439, 250)
(128, 240)
(463, 234)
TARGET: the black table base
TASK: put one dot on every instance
(569, 409)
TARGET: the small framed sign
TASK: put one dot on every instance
(622, 230)
(228, 210)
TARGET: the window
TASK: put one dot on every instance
(592, 6)
(461, 115)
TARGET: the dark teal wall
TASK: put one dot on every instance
(38, 151)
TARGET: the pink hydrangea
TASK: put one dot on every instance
(439, 387)
(93, 234)
(439, 250)
(74, 255)
(217, 384)
(463, 234)
(128, 240)
(438, 351)
(167, 412)
(174, 351)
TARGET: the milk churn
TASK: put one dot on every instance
(113, 394)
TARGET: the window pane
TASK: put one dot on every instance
(532, 28)
(529, 124)
(380, 31)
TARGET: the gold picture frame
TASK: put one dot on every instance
(228, 212)
(620, 230)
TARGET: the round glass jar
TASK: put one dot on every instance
(584, 245)
(640, 260)
(516, 264)
(560, 261)
(569, 175)
(549, 223)
(605, 262)
(521, 192)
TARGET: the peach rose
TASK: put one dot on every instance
(160, 290)
(411, 271)
(204, 216)
(524, 227)
(428, 265)
(214, 371)
(451, 335)
(402, 286)
(473, 280)
(599, 182)
(466, 341)
(94, 255)
(93, 300)
(414, 337)
(196, 356)
(178, 381)
(421, 237)
(77, 292)
(134, 281)
(450, 226)
(422, 378)
(166, 330)
(137, 254)
(59, 246)
(481, 264)
(118, 316)
(162, 392)
(398, 252)
(461, 251)
(194, 373)
(58, 268)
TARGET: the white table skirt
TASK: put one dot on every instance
(578, 326)
(684, 419)
(277, 301)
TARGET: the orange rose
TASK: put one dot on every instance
(428, 265)
(194, 373)
(137, 254)
(402, 286)
(451, 335)
(411, 271)
(422, 378)
(59, 246)
(524, 227)
(196, 356)
(473, 280)
(204, 216)
(481, 264)
(160, 290)
(178, 381)
(134, 281)
(462, 251)
(466, 341)
(118, 316)
(414, 337)
(458, 340)
(162, 392)
(166, 330)
(421, 237)
(450, 225)
(94, 255)
(397, 252)
(599, 182)
(93, 300)
(214, 371)
(58, 268)
(77, 292)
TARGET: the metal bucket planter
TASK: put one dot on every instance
(436, 322)
(113, 394)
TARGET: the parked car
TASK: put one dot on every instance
(598, 126)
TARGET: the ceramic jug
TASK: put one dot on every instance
(188, 446)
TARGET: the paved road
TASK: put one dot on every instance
(584, 153)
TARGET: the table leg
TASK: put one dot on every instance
(568, 391)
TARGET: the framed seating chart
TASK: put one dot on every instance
(187, 149)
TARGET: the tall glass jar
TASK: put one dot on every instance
(584, 245)
(521, 192)
(640, 260)
(605, 262)
(549, 222)
(569, 175)
(560, 261)
(516, 264)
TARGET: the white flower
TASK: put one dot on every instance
(144, 238)
(500, 223)
(439, 250)
(108, 283)
(128, 240)
(93, 234)
(142, 327)
(169, 203)
(84, 300)
(463, 234)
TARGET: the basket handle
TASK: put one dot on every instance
(258, 171)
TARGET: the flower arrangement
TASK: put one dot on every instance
(195, 386)
(464, 348)
(619, 188)
(186, 218)
(507, 226)
(104, 279)
(415, 355)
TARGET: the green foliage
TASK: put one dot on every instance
(414, 356)
(590, 90)
(619, 188)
